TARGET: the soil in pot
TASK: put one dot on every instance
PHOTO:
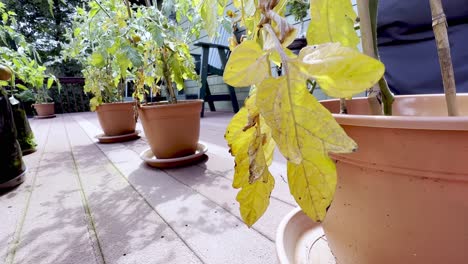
(24, 133)
(117, 118)
(11, 161)
(172, 130)
(403, 196)
(45, 109)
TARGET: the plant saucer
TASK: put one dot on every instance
(148, 157)
(28, 151)
(120, 138)
(44, 117)
(301, 240)
(15, 181)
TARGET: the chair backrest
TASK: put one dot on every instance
(222, 39)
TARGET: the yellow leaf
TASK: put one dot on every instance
(247, 65)
(241, 134)
(312, 183)
(332, 21)
(284, 32)
(239, 141)
(296, 117)
(340, 71)
(276, 58)
(257, 160)
(255, 198)
(209, 14)
(248, 5)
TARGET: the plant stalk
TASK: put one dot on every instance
(102, 8)
(343, 107)
(380, 92)
(167, 78)
(368, 48)
(439, 25)
(129, 10)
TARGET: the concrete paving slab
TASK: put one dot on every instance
(128, 229)
(56, 228)
(212, 232)
(13, 203)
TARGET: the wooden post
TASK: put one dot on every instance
(439, 25)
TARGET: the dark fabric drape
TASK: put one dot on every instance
(408, 50)
(11, 162)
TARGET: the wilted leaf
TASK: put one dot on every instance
(305, 132)
(340, 71)
(295, 117)
(332, 21)
(247, 65)
(255, 198)
(241, 135)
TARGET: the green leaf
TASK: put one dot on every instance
(50, 81)
(51, 7)
(97, 60)
(332, 21)
(247, 65)
(76, 32)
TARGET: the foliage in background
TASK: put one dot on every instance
(298, 9)
(166, 54)
(281, 112)
(115, 42)
(43, 24)
(22, 58)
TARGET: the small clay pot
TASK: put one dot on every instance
(117, 118)
(45, 109)
(172, 130)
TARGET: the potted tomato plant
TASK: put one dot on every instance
(101, 42)
(407, 168)
(171, 127)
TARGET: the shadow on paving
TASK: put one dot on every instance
(125, 223)
(184, 208)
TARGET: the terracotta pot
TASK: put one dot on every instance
(403, 196)
(45, 109)
(172, 130)
(116, 118)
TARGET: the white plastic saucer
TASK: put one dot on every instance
(299, 240)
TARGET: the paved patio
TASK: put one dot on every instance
(89, 203)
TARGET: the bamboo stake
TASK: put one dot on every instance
(439, 25)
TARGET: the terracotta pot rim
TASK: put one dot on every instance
(165, 104)
(118, 103)
(459, 123)
(44, 103)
